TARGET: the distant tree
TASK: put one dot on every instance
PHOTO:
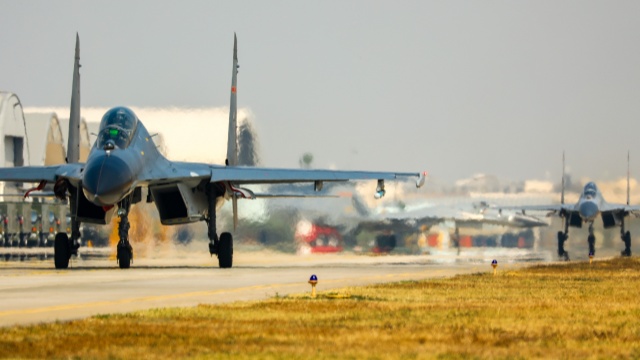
(306, 160)
(248, 145)
(569, 185)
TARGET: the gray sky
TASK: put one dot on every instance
(452, 87)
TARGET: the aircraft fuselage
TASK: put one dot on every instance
(590, 203)
(117, 160)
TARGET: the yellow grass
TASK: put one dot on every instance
(572, 310)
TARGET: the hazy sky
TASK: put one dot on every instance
(452, 87)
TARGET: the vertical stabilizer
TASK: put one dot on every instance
(73, 141)
(562, 193)
(628, 179)
(232, 140)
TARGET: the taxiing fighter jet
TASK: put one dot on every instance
(124, 160)
(590, 205)
(411, 217)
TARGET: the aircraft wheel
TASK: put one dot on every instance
(61, 251)
(225, 250)
(561, 252)
(592, 244)
(125, 255)
(627, 244)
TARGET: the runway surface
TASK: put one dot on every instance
(32, 291)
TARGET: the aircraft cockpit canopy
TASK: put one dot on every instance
(117, 128)
(590, 190)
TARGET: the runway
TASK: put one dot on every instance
(33, 292)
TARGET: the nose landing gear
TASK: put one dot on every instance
(592, 240)
(124, 249)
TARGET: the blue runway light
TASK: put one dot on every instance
(313, 280)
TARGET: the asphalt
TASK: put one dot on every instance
(31, 291)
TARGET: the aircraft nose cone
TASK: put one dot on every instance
(588, 210)
(106, 179)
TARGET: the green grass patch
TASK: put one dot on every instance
(573, 310)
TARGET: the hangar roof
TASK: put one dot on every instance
(46, 145)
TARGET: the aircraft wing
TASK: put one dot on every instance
(260, 175)
(245, 175)
(549, 208)
(254, 175)
(32, 174)
(632, 209)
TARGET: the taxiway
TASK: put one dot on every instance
(33, 292)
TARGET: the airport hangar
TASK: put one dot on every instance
(32, 139)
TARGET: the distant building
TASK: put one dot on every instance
(14, 150)
(479, 183)
(85, 141)
(538, 186)
(45, 141)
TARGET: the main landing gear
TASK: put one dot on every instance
(61, 251)
(124, 249)
(63, 247)
(223, 246)
(626, 238)
(562, 237)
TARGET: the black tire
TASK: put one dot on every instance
(124, 257)
(627, 244)
(225, 250)
(61, 251)
(561, 244)
(592, 244)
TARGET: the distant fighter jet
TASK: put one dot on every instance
(124, 160)
(590, 205)
(413, 216)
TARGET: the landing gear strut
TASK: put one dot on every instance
(592, 240)
(124, 249)
(562, 237)
(626, 237)
(223, 246)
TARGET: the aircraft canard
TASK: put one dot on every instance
(124, 160)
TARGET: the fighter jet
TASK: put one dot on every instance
(124, 160)
(411, 217)
(590, 205)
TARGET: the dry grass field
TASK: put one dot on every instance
(572, 310)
